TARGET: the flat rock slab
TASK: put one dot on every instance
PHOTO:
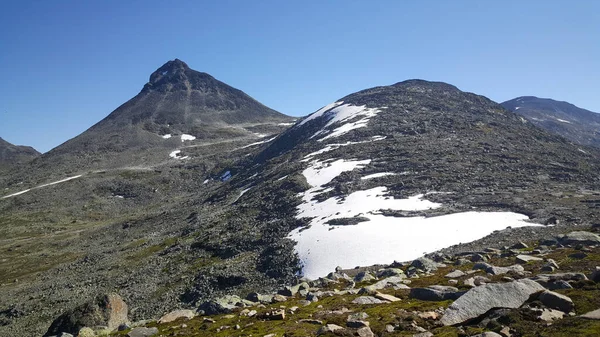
(592, 315)
(556, 301)
(480, 300)
(455, 274)
(367, 300)
(580, 237)
(174, 315)
(527, 258)
(142, 332)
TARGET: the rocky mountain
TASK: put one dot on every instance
(11, 155)
(576, 124)
(388, 173)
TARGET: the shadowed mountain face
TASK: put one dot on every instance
(15, 154)
(578, 125)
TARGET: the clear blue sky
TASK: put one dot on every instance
(65, 65)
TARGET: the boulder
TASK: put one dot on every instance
(221, 305)
(256, 297)
(363, 276)
(549, 315)
(107, 310)
(174, 315)
(592, 314)
(595, 275)
(365, 332)
(388, 272)
(455, 274)
(527, 258)
(488, 268)
(367, 300)
(86, 332)
(330, 328)
(580, 237)
(142, 332)
(480, 300)
(556, 301)
(426, 264)
(386, 297)
(436, 293)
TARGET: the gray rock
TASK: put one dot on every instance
(435, 293)
(556, 301)
(527, 258)
(560, 276)
(549, 315)
(107, 310)
(426, 264)
(367, 300)
(356, 323)
(595, 275)
(580, 237)
(221, 305)
(592, 314)
(64, 334)
(258, 298)
(488, 268)
(174, 315)
(423, 334)
(480, 300)
(329, 328)
(519, 245)
(455, 274)
(476, 281)
(388, 272)
(488, 334)
(363, 276)
(365, 332)
(390, 282)
(560, 284)
(142, 332)
(478, 258)
(312, 297)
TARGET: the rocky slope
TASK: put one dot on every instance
(546, 288)
(576, 124)
(235, 217)
(11, 155)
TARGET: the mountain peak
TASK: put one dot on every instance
(174, 75)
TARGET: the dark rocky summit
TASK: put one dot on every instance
(576, 124)
(11, 155)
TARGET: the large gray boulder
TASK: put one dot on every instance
(556, 301)
(221, 305)
(435, 293)
(108, 310)
(426, 264)
(580, 237)
(480, 300)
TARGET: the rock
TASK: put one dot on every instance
(356, 323)
(549, 315)
(592, 315)
(527, 258)
(312, 297)
(256, 297)
(580, 237)
(278, 298)
(367, 300)
(546, 279)
(386, 297)
(424, 334)
(455, 274)
(556, 301)
(174, 315)
(426, 264)
(86, 332)
(291, 291)
(480, 300)
(461, 262)
(476, 281)
(142, 332)
(363, 276)
(429, 315)
(395, 282)
(452, 282)
(311, 321)
(389, 272)
(330, 328)
(221, 305)
(504, 270)
(365, 332)
(519, 245)
(64, 334)
(389, 328)
(105, 310)
(478, 258)
(595, 275)
(435, 293)
(276, 314)
(488, 334)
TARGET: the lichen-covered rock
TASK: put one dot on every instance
(107, 310)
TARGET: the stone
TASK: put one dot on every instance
(461, 262)
(174, 315)
(363, 276)
(519, 245)
(476, 281)
(455, 274)
(330, 328)
(386, 297)
(435, 293)
(311, 321)
(86, 332)
(142, 332)
(504, 270)
(424, 334)
(367, 300)
(429, 315)
(389, 272)
(580, 237)
(356, 323)
(107, 310)
(312, 297)
(276, 314)
(64, 334)
(221, 305)
(256, 297)
(549, 315)
(488, 334)
(365, 332)
(592, 315)
(452, 282)
(556, 301)
(389, 328)
(527, 258)
(291, 291)
(595, 275)
(478, 258)
(426, 264)
(480, 300)
(390, 282)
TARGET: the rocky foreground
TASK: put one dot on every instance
(548, 288)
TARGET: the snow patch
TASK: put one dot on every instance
(185, 137)
(176, 155)
(563, 121)
(331, 147)
(345, 113)
(320, 112)
(321, 173)
(378, 175)
(167, 136)
(257, 143)
(286, 124)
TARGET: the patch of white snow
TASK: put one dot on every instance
(185, 137)
(167, 136)
(378, 175)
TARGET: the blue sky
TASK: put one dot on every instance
(65, 65)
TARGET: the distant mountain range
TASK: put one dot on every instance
(193, 190)
(576, 124)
